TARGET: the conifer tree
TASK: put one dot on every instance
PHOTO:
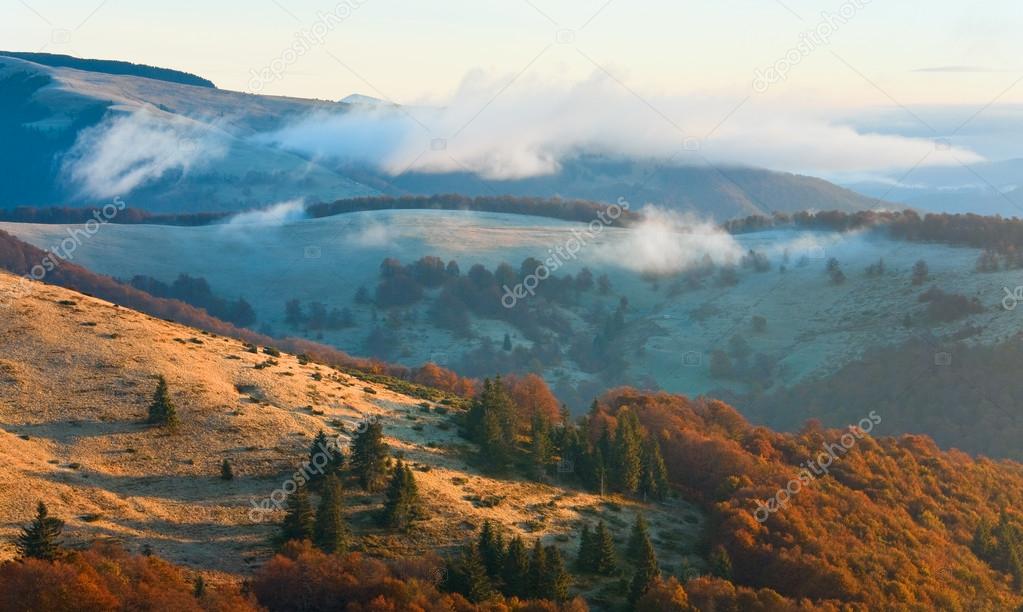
(625, 453)
(402, 504)
(537, 567)
(331, 533)
(472, 573)
(226, 472)
(515, 573)
(491, 545)
(654, 481)
(333, 463)
(491, 423)
(605, 555)
(647, 571)
(298, 519)
(555, 579)
(41, 539)
(585, 560)
(640, 532)
(162, 411)
(541, 448)
(369, 457)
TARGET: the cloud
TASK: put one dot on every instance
(277, 214)
(666, 242)
(128, 151)
(526, 129)
(374, 234)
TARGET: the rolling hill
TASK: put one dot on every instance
(195, 148)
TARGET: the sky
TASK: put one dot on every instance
(944, 71)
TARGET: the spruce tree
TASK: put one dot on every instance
(491, 423)
(474, 576)
(555, 579)
(654, 481)
(401, 506)
(605, 555)
(334, 459)
(298, 519)
(541, 447)
(515, 573)
(491, 545)
(639, 533)
(537, 567)
(161, 410)
(226, 472)
(330, 533)
(369, 457)
(625, 453)
(647, 571)
(586, 560)
(41, 539)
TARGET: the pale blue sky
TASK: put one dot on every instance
(411, 50)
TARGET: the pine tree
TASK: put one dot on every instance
(647, 571)
(640, 532)
(491, 545)
(226, 472)
(491, 423)
(515, 573)
(625, 453)
(474, 576)
(541, 448)
(555, 579)
(161, 410)
(41, 539)
(369, 457)
(537, 567)
(402, 504)
(605, 555)
(298, 519)
(334, 459)
(507, 345)
(654, 481)
(330, 533)
(585, 560)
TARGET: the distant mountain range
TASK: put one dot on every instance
(182, 145)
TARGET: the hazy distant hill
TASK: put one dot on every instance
(112, 67)
(226, 164)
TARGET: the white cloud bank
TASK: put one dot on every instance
(127, 151)
(666, 242)
(526, 129)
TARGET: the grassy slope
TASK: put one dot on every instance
(75, 381)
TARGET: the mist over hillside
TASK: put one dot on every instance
(207, 150)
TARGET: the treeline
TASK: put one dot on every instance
(128, 216)
(1000, 236)
(568, 210)
(196, 291)
(112, 67)
(19, 258)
